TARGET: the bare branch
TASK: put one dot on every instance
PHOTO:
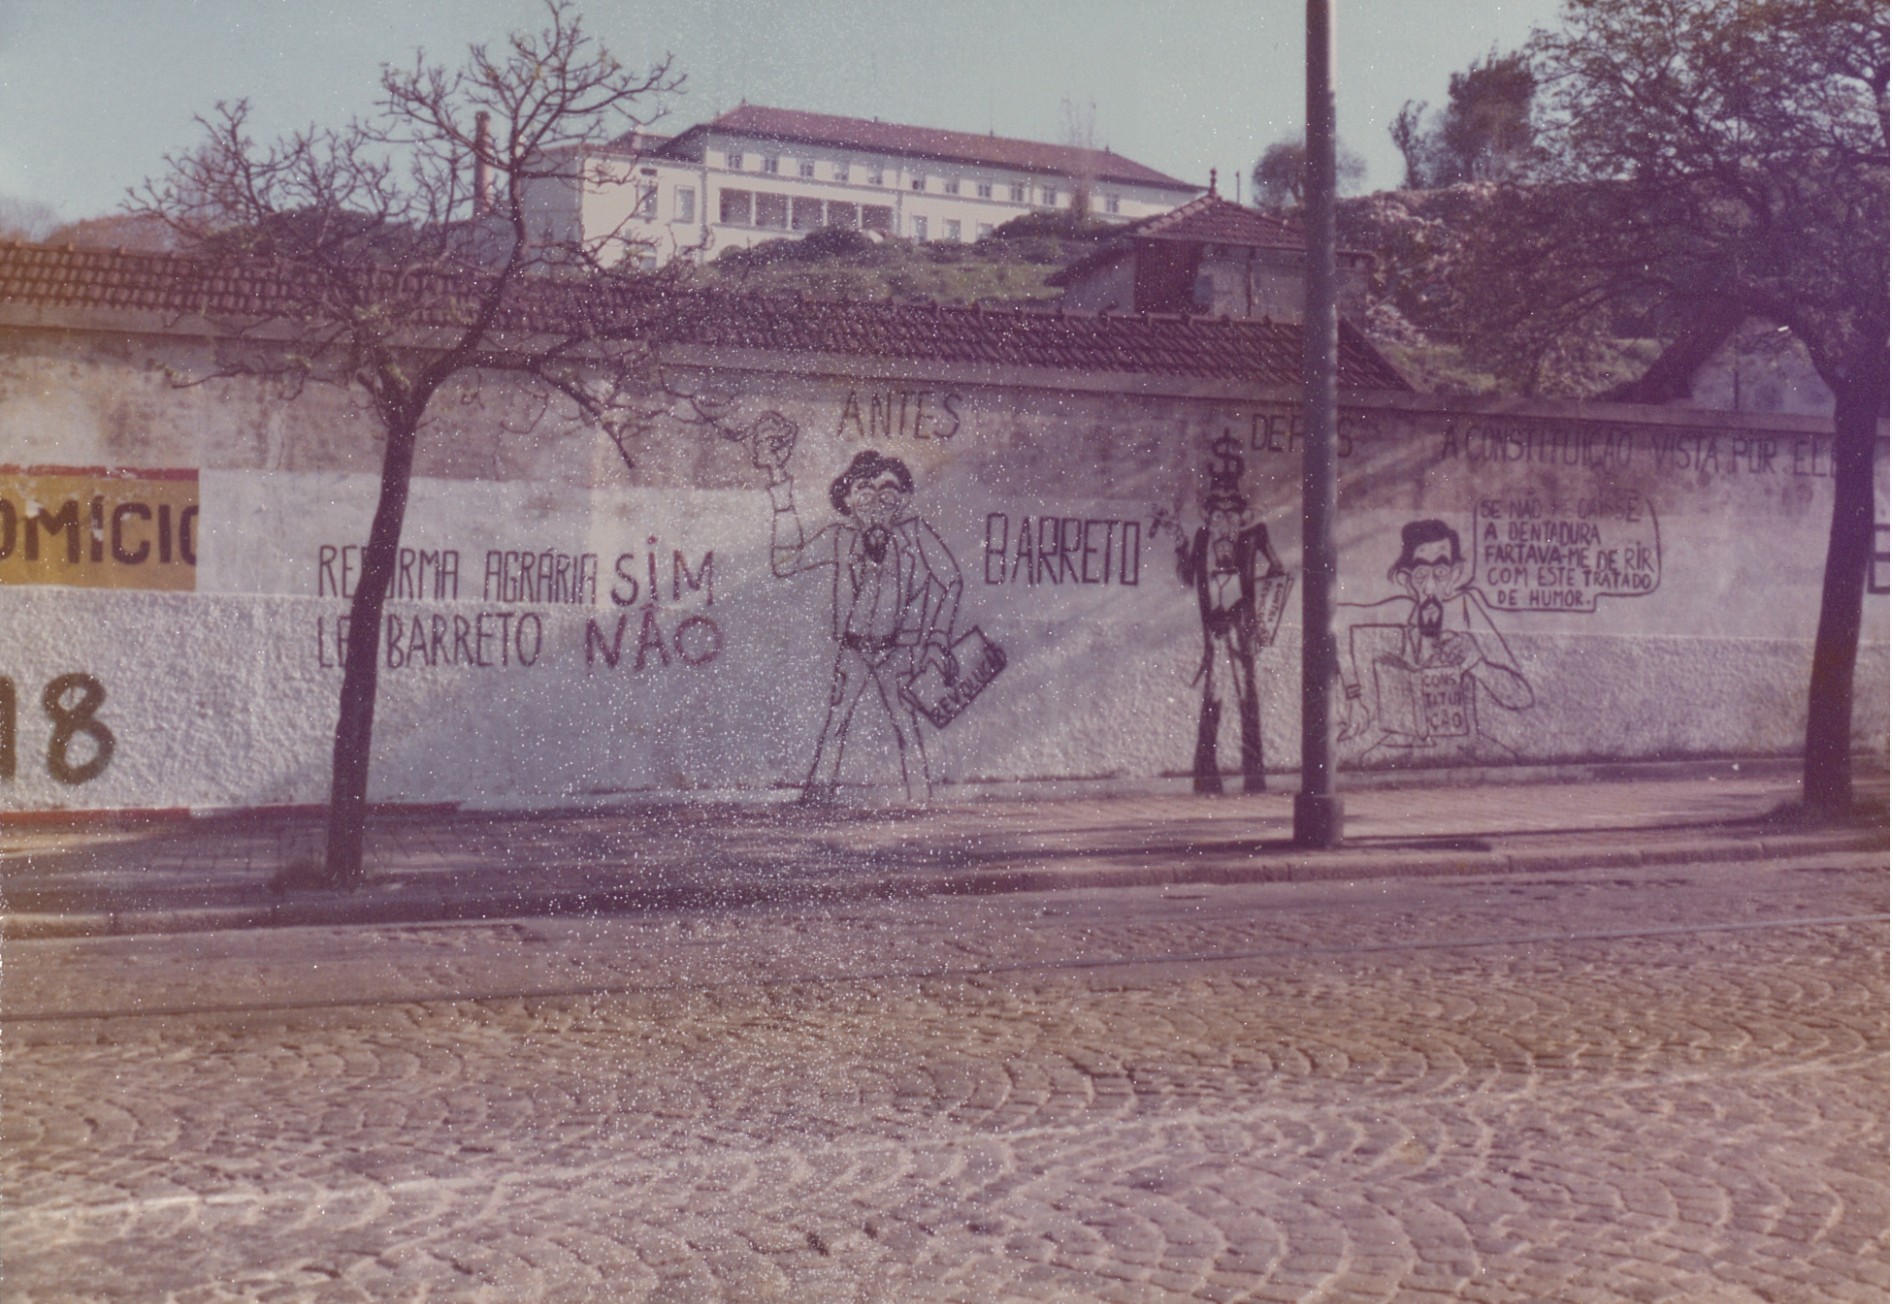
(371, 264)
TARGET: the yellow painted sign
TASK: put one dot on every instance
(98, 527)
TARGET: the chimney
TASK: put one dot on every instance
(482, 168)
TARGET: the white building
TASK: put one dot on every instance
(758, 174)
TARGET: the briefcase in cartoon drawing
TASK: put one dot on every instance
(941, 699)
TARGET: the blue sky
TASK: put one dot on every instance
(93, 93)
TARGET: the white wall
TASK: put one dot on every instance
(224, 696)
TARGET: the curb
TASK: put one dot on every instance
(1219, 864)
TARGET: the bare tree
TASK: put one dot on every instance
(1080, 130)
(397, 253)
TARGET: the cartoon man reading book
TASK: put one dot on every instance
(1415, 661)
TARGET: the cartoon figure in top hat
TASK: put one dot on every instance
(1241, 590)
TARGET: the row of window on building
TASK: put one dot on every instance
(1017, 192)
(799, 213)
(805, 213)
(772, 212)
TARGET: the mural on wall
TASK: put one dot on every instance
(1412, 664)
(1241, 590)
(895, 592)
(1634, 586)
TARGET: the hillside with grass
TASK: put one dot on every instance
(1009, 266)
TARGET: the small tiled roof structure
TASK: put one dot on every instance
(65, 278)
(1207, 219)
(794, 126)
(1210, 219)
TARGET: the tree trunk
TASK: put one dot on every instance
(1827, 779)
(354, 725)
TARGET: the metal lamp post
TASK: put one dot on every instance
(1317, 807)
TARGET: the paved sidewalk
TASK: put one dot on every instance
(238, 871)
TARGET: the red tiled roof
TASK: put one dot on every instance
(1207, 219)
(1259, 352)
(1211, 219)
(798, 127)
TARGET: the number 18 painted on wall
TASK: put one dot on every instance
(69, 722)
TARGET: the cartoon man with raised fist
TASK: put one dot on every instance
(896, 591)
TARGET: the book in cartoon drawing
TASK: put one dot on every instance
(895, 591)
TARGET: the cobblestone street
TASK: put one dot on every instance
(1592, 1086)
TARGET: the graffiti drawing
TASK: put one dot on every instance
(896, 593)
(1415, 661)
(1241, 590)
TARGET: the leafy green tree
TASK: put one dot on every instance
(1280, 175)
(1715, 160)
(25, 219)
(399, 255)
(1485, 132)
